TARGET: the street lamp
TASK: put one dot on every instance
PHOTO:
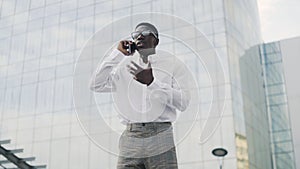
(221, 153)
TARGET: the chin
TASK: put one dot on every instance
(140, 47)
(146, 51)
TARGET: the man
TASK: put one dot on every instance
(148, 88)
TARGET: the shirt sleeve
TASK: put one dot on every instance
(177, 94)
(103, 79)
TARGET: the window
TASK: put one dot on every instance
(63, 94)
(28, 98)
(45, 96)
(17, 48)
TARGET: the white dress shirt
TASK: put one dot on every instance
(137, 102)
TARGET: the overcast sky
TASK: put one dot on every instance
(280, 19)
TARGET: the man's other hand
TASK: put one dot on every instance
(144, 76)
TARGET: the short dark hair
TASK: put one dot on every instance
(150, 26)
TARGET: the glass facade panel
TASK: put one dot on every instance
(47, 74)
(51, 20)
(68, 5)
(56, 147)
(37, 3)
(79, 154)
(11, 102)
(18, 44)
(31, 66)
(7, 8)
(63, 94)
(66, 37)
(35, 24)
(30, 77)
(5, 32)
(33, 48)
(50, 40)
(22, 6)
(28, 99)
(52, 9)
(67, 16)
(45, 97)
(36, 13)
(277, 106)
(4, 51)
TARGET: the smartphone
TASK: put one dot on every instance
(131, 48)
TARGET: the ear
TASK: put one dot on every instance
(156, 42)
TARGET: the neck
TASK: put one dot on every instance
(144, 58)
(144, 53)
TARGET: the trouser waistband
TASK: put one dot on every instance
(148, 125)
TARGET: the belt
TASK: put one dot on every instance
(149, 124)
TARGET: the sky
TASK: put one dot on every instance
(280, 19)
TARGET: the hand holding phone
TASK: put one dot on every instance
(131, 48)
(127, 47)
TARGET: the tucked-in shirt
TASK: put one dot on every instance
(136, 102)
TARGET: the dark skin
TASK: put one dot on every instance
(145, 46)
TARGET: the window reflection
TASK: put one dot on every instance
(32, 65)
(277, 106)
(30, 77)
(78, 154)
(47, 74)
(11, 102)
(85, 12)
(7, 8)
(67, 5)
(64, 70)
(33, 47)
(14, 69)
(102, 7)
(145, 5)
(51, 20)
(50, 38)
(63, 93)
(65, 58)
(35, 24)
(22, 6)
(180, 8)
(67, 37)
(20, 28)
(18, 44)
(68, 16)
(52, 9)
(4, 51)
(60, 160)
(28, 99)
(85, 29)
(36, 13)
(37, 3)
(45, 96)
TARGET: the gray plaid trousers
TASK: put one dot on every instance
(147, 146)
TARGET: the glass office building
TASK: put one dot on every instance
(277, 106)
(41, 41)
(289, 49)
(254, 107)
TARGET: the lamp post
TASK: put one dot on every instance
(221, 153)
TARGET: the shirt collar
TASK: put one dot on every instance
(152, 58)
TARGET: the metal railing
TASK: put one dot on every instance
(11, 158)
